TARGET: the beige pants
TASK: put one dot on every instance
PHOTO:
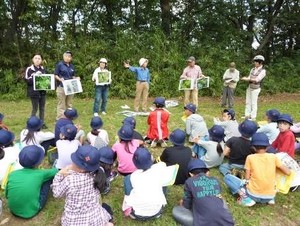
(193, 94)
(141, 91)
(63, 101)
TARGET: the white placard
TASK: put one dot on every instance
(72, 86)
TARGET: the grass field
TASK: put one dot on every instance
(285, 212)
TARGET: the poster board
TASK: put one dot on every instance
(203, 83)
(72, 86)
(43, 81)
(104, 78)
(186, 84)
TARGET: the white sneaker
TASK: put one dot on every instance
(96, 114)
(153, 144)
(103, 113)
(163, 144)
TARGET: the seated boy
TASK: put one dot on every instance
(259, 185)
(27, 189)
(132, 122)
(238, 148)
(202, 203)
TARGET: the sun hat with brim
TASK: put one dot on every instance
(159, 101)
(142, 158)
(34, 123)
(247, 128)
(216, 133)
(273, 115)
(1, 116)
(71, 113)
(130, 121)
(31, 156)
(260, 139)
(196, 164)
(86, 157)
(107, 155)
(96, 122)
(191, 58)
(6, 137)
(142, 61)
(191, 107)
(103, 60)
(126, 133)
(285, 118)
(259, 58)
(177, 137)
(69, 131)
(230, 112)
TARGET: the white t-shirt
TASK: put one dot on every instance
(212, 157)
(65, 148)
(39, 137)
(102, 134)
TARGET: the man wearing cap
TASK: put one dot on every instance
(192, 71)
(255, 78)
(142, 84)
(230, 78)
(64, 70)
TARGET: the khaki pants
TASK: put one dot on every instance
(142, 89)
(63, 101)
(194, 96)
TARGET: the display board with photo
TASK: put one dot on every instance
(43, 82)
(72, 86)
(104, 78)
(203, 82)
(186, 84)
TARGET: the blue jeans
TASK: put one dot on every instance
(101, 94)
(127, 185)
(44, 193)
(183, 216)
(226, 168)
(199, 150)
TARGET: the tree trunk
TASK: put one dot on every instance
(165, 16)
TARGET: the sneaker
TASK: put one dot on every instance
(271, 202)
(246, 201)
(103, 113)
(96, 114)
(112, 176)
(163, 144)
(153, 144)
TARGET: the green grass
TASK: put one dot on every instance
(285, 212)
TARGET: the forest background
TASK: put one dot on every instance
(165, 31)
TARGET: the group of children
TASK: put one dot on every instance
(85, 165)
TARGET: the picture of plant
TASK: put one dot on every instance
(203, 83)
(185, 84)
(72, 86)
(104, 77)
(43, 82)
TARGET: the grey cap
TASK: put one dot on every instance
(191, 58)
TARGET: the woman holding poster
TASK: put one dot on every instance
(38, 97)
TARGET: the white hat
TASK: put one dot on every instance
(103, 60)
(142, 61)
(259, 57)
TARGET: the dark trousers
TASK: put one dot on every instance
(38, 103)
(46, 144)
(44, 193)
(228, 95)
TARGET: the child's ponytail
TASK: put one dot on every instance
(99, 179)
(219, 149)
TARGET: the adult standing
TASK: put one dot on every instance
(142, 83)
(38, 97)
(64, 70)
(255, 78)
(192, 71)
(230, 78)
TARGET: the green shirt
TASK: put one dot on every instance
(23, 190)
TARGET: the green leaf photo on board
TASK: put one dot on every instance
(104, 78)
(203, 82)
(185, 84)
(43, 82)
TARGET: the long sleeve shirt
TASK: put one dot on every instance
(285, 142)
(142, 74)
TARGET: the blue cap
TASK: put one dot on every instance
(196, 164)
(31, 156)
(286, 118)
(159, 101)
(1, 116)
(247, 128)
(191, 107)
(142, 158)
(96, 122)
(126, 133)
(216, 133)
(87, 158)
(107, 155)
(6, 137)
(69, 131)
(71, 113)
(230, 112)
(130, 121)
(177, 137)
(34, 123)
(260, 139)
(273, 115)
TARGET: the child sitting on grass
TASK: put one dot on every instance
(214, 147)
(158, 131)
(178, 154)
(271, 128)
(2, 125)
(285, 141)
(202, 203)
(81, 183)
(238, 148)
(132, 122)
(66, 145)
(27, 189)
(259, 183)
(229, 124)
(98, 137)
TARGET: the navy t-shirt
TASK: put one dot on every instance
(201, 195)
(65, 71)
(239, 150)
